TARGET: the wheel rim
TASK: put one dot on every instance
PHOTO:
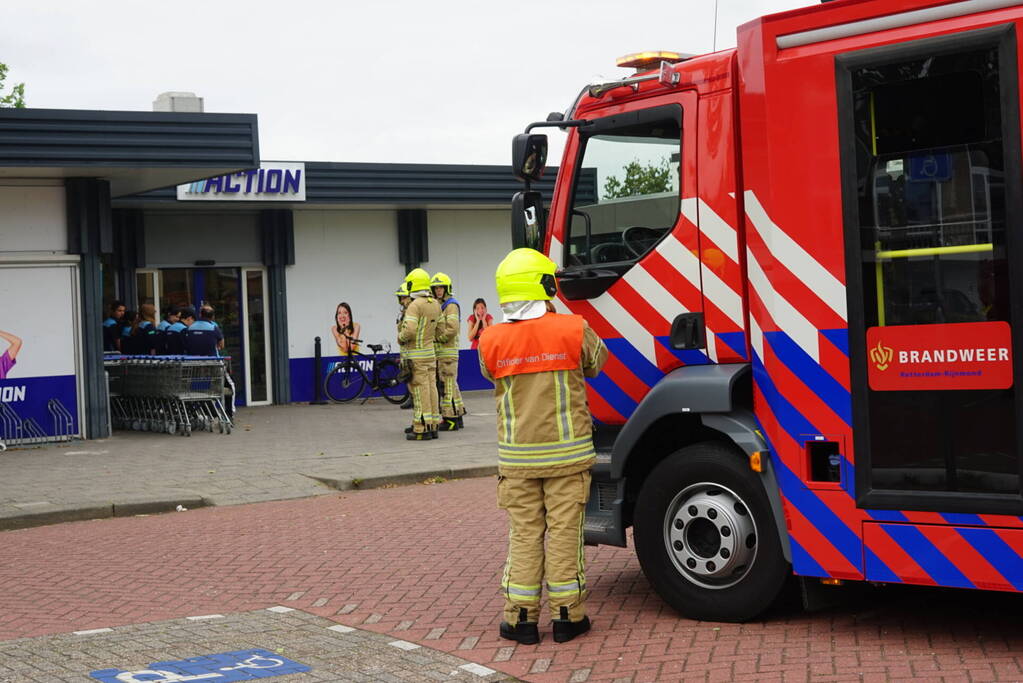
(393, 390)
(343, 383)
(710, 535)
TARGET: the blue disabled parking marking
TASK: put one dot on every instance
(243, 665)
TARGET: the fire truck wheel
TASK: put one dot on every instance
(705, 536)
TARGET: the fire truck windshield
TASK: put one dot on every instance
(635, 172)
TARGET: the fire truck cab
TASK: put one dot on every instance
(801, 256)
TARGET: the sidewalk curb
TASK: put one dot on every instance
(141, 505)
(51, 513)
(405, 478)
(56, 514)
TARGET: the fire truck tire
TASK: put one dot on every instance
(705, 536)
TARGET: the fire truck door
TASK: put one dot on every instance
(933, 182)
(630, 263)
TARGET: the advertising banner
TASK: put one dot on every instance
(940, 357)
(38, 351)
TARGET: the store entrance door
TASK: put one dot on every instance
(238, 297)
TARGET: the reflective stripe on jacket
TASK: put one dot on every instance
(447, 329)
(418, 328)
(544, 427)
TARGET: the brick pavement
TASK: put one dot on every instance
(422, 563)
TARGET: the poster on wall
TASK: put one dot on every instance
(38, 351)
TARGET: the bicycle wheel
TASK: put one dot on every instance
(387, 376)
(344, 382)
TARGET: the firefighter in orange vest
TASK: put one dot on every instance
(416, 336)
(451, 406)
(537, 360)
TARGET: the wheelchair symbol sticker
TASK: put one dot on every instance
(930, 167)
(243, 665)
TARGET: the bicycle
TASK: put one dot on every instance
(348, 378)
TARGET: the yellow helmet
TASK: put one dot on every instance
(401, 292)
(442, 280)
(417, 280)
(525, 275)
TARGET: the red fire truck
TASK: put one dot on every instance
(800, 254)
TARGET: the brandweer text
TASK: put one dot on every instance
(954, 355)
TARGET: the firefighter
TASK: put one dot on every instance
(416, 335)
(537, 360)
(451, 407)
(405, 369)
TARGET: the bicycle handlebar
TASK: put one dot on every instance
(352, 339)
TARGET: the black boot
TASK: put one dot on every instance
(565, 630)
(418, 436)
(524, 632)
(458, 421)
(450, 424)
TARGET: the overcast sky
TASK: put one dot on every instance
(402, 81)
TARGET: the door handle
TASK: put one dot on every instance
(688, 332)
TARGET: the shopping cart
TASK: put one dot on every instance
(172, 394)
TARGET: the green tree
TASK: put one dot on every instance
(648, 179)
(15, 98)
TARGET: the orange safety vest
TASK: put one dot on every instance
(548, 343)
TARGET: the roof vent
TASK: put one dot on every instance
(178, 101)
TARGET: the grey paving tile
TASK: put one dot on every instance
(297, 636)
(287, 452)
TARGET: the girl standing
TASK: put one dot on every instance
(478, 321)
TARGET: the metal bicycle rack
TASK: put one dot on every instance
(15, 431)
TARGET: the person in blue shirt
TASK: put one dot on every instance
(126, 325)
(206, 314)
(173, 339)
(143, 338)
(111, 326)
(169, 319)
(202, 338)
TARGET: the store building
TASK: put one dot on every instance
(58, 172)
(276, 249)
(176, 208)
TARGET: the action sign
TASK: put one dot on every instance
(940, 357)
(244, 665)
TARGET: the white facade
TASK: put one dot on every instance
(352, 256)
(33, 218)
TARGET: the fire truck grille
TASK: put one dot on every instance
(605, 496)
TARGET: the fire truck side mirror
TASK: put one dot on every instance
(529, 156)
(528, 220)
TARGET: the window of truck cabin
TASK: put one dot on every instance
(929, 132)
(626, 192)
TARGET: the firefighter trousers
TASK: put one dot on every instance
(451, 398)
(423, 387)
(554, 508)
